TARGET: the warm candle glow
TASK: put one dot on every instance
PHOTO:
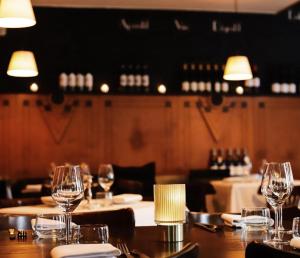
(16, 14)
(237, 69)
(22, 64)
(169, 203)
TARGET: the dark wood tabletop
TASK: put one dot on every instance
(227, 242)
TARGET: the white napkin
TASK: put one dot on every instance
(127, 198)
(295, 242)
(34, 188)
(84, 250)
(232, 220)
(49, 223)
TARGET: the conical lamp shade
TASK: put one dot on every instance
(22, 64)
(16, 14)
(237, 69)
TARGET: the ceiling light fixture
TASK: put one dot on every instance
(22, 64)
(237, 67)
(16, 14)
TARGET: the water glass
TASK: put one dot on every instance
(104, 199)
(96, 233)
(296, 227)
(49, 226)
(256, 219)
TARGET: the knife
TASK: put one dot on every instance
(209, 227)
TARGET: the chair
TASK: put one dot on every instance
(195, 195)
(119, 221)
(5, 189)
(19, 185)
(188, 251)
(259, 250)
(144, 177)
(294, 198)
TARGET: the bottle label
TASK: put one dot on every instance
(138, 80)
(201, 86)
(217, 87)
(130, 80)
(123, 80)
(208, 86)
(194, 86)
(146, 80)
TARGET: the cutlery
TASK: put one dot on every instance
(139, 254)
(209, 227)
(124, 250)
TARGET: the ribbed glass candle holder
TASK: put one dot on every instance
(169, 203)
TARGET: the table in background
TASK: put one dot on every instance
(143, 211)
(233, 194)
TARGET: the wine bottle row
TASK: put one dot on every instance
(76, 82)
(207, 78)
(237, 161)
(134, 78)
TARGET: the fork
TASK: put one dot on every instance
(124, 249)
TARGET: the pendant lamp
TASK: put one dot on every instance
(237, 69)
(16, 14)
(22, 64)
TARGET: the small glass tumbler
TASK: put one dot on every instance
(49, 226)
(296, 227)
(256, 219)
(104, 199)
(96, 233)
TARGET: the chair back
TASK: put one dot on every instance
(259, 250)
(119, 221)
(294, 198)
(188, 251)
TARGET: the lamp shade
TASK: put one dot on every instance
(16, 14)
(169, 203)
(22, 64)
(237, 69)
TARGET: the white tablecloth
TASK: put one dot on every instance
(143, 211)
(232, 196)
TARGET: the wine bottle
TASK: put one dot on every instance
(201, 79)
(194, 84)
(213, 164)
(208, 85)
(256, 80)
(130, 78)
(217, 83)
(185, 84)
(138, 78)
(123, 80)
(225, 84)
(145, 78)
(220, 159)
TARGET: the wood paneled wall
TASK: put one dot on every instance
(176, 132)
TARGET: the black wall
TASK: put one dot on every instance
(93, 40)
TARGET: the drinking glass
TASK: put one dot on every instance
(256, 218)
(105, 176)
(67, 191)
(276, 186)
(280, 226)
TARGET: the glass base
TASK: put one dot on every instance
(278, 243)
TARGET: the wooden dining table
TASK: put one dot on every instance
(225, 243)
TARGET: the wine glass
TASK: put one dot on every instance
(277, 185)
(106, 176)
(67, 191)
(280, 226)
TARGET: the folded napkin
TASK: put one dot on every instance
(295, 242)
(232, 220)
(49, 223)
(127, 198)
(84, 250)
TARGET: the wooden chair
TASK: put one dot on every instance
(188, 251)
(119, 221)
(259, 250)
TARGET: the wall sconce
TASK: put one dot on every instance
(170, 202)
(22, 64)
(16, 14)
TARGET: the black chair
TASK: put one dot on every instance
(294, 198)
(144, 177)
(5, 189)
(259, 250)
(188, 251)
(119, 221)
(208, 174)
(4, 203)
(196, 193)
(19, 185)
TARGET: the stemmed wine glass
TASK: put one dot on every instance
(106, 176)
(67, 192)
(277, 185)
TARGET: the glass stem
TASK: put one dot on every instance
(68, 227)
(280, 217)
(276, 237)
